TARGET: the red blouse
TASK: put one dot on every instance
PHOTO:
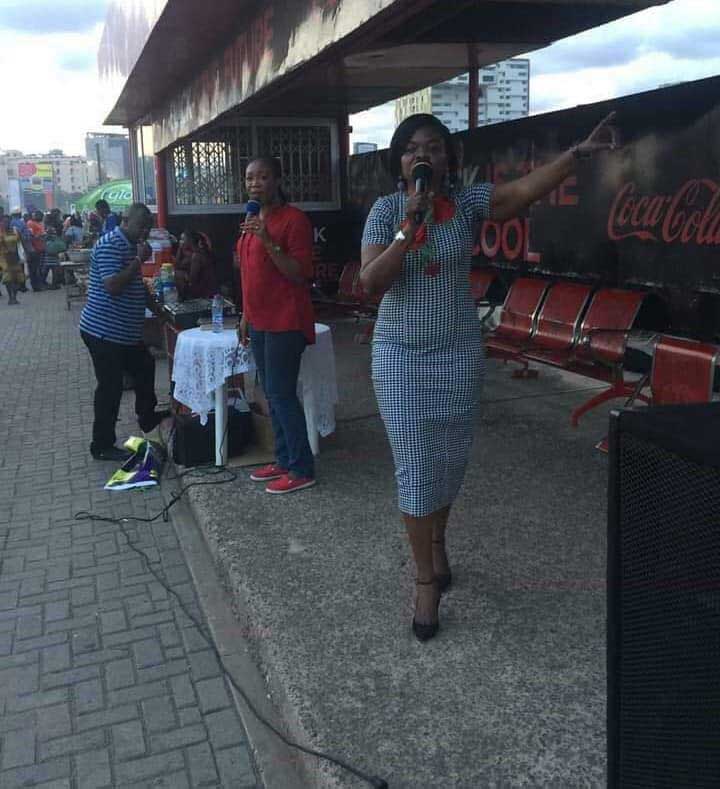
(271, 301)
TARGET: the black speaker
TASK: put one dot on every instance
(663, 648)
(194, 444)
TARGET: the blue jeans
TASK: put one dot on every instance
(277, 355)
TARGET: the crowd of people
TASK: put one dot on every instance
(32, 244)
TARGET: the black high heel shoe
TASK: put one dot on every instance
(445, 579)
(426, 632)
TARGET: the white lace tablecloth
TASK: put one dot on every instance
(204, 360)
(317, 384)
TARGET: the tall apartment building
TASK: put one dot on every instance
(504, 95)
(108, 157)
(41, 181)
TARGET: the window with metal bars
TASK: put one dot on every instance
(208, 171)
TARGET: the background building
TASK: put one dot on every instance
(504, 95)
(364, 147)
(108, 157)
(41, 181)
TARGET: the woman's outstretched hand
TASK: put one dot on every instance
(604, 137)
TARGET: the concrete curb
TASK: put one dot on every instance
(275, 763)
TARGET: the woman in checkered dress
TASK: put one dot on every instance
(427, 359)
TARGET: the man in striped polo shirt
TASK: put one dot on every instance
(111, 326)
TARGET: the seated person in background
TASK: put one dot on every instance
(73, 230)
(195, 275)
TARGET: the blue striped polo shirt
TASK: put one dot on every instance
(114, 318)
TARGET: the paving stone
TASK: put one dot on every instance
(178, 738)
(235, 768)
(223, 729)
(56, 658)
(128, 740)
(183, 691)
(189, 715)
(212, 694)
(159, 714)
(202, 764)
(149, 767)
(54, 722)
(203, 665)
(113, 621)
(66, 745)
(89, 696)
(108, 717)
(35, 774)
(18, 749)
(93, 769)
(119, 674)
(147, 653)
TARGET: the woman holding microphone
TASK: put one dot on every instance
(427, 357)
(274, 253)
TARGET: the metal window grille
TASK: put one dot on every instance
(305, 153)
(209, 170)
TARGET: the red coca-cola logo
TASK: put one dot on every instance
(691, 215)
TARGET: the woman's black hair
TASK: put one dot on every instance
(275, 168)
(404, 133)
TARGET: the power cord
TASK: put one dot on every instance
(230, 476)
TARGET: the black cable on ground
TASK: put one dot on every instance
(203, 472)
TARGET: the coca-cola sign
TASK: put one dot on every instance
(689, 216)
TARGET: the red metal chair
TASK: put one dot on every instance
(683, 371)
(344, 301)
(558, 323)
(600, 349)
(517, 322)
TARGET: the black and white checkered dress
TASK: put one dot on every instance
(428, 358)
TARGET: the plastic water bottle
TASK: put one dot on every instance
(217, 313)
(170, 294)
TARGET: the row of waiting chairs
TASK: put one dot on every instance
(570, 326)
(567, 325)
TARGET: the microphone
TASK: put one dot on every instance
(252, 208)
(422, 172)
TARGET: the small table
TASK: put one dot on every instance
(204, 360)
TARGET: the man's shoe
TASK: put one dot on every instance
(112, 453)
(267, 473)
(288, 484)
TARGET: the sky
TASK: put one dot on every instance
(53, 43)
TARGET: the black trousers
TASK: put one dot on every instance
(111, 360)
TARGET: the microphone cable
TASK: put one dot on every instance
(205, 471)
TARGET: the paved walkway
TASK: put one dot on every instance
(103, 681)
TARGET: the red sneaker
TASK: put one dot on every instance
(288, 484)
(266, 473)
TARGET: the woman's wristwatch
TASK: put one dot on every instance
(273, 248)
